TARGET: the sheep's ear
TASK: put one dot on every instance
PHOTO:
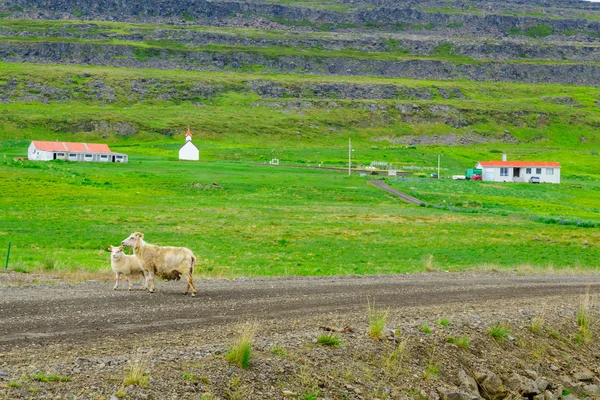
(110, 247)
(140, 235)
(120, 247)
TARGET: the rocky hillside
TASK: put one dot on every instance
(534, 42)
(304, 59)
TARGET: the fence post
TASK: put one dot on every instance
(7, 255)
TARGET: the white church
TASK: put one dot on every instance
(189, 151)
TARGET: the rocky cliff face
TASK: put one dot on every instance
(544, 41)
(165, 59)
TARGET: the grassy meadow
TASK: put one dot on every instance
(281, 221)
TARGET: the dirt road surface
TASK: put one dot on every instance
(81, 341)
(47, 314)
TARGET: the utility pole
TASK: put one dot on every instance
(349, 157)
(439, 156)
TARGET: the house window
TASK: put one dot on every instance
(528, 171)
(119, 157)
(503, 171)
(88, 156)
(60, 154)
(103, 156)
(72, 155)
(549, 171)
(538, 170)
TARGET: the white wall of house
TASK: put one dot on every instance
(189, 152)
(35, 154)
(42, 155)
(506, 174)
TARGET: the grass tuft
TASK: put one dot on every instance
(278, 350)
(393, 361)
(537, 324)
(428, 262)
(444, 322)
(137, 372)
(377, 320)
(329, 340)
(499, 332)
(460, 342)
(432, 370)
(425, 329)
(584, 322)
(43, 377)
(241, 352)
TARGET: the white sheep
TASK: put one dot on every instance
(169, 263)
(122, 264)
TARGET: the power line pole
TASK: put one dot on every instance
(349, 156)
(439, 156)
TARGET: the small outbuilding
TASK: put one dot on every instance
(69, 151)
(520, 171)
(189, 151)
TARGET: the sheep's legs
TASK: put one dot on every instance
(145, 285)
(117, 274)
(151, 278)
(129, 281)
(190, 284)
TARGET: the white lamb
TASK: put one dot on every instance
(122, 264)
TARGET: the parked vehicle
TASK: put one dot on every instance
(475, 177)
(534, 179)
(434, 175)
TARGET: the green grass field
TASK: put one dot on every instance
(278, 221)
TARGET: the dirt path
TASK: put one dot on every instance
(77, 313)
(403, 196)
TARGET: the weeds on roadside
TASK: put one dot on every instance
(136, 373)
(539, 350)
(377, 320)
(329, 340)
(461, 342)
(584, 321)
(444, 322)
(241, 352)
(428, 262)
(425, 328)
(537, 324)
(279, 351)
(43, 377)
(393, 361)
(234, 390)
(14, 384)
(499, 332)
(432, 370)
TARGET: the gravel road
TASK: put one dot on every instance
(75, 313)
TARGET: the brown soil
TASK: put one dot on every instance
(91, 335)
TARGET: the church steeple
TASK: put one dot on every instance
(188, 135)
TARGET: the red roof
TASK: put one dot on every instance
(518, 164)
(189, 133)
(72, 147)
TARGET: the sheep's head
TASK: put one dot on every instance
(133, 239)
(116, 252)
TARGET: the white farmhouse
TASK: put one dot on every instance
(519, 171)
(189, 151)
(68, 151)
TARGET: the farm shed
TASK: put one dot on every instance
(189, 151)
(519, 171)
(68, 151)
